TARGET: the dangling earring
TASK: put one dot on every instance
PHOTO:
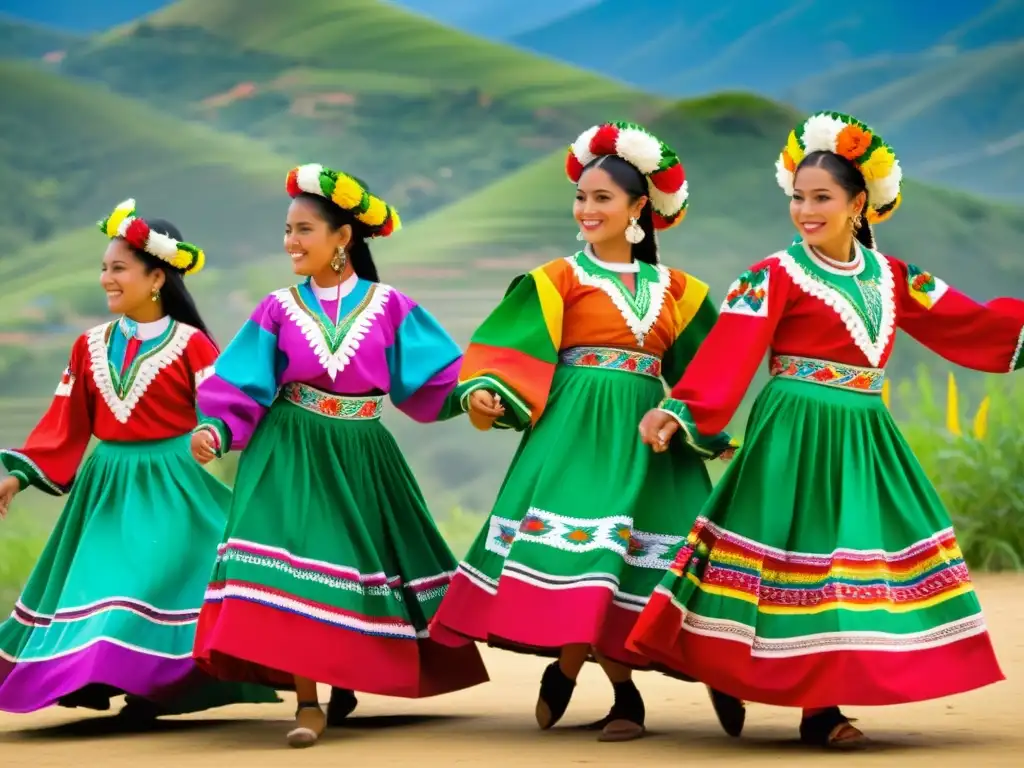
(339, 260)
(154, 295)
(634, 232)
(857, 221)
(579, 235)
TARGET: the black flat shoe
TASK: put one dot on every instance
(555, 693)
(731, 712)
(827, 728)
(341, 705)
(625, 720)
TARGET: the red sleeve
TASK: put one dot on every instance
(201, 355)
(715, 381)
(983, 337)
(53, 451)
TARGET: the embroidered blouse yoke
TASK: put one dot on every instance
(375, 340)
(125, 382)
(794, 303)
(581, 303)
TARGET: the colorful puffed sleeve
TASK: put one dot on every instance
(984, 337)
(233, 399)
(423, 363)
(714, 383)
(53, 451)
(515, 350)
(695, 314)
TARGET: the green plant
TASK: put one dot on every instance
(978, 472)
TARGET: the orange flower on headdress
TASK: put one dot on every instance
(852, 142)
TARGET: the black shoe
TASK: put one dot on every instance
(625, 720)
(731, 712)
(555, 693)
(821, 729)
(138, 713)
(342, 704)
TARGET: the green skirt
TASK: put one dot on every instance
(111, 607)
(585, 524)
(331, 553)
(824, 569)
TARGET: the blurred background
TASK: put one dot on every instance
(459, 112)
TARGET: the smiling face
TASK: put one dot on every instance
(309, 239)
(821, 209)
(125, 279)
(603, 208)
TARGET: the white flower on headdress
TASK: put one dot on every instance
(581, 147)
(821, 133)
(784, 177)
(668, 203)
(308, 178)
(883, 191)
(639, 148)
(161, 246)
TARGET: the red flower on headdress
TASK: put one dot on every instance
(292, 183)
(137, 234)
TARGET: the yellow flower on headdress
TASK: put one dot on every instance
(122, 212)
(874, 217)
(181, 260)
(878, 165)
(793, 148)
(200, 263)
(375, 214)
(348, 193)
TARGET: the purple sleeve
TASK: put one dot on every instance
(423, 363)
(244, 382)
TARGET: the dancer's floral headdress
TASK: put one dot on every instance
(125, 222)
(850, 138)
(348, 193)
(666, 179)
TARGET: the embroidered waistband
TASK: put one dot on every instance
(330, 405)
(830, 374)
(611, 358)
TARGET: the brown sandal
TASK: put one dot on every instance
(831, 729)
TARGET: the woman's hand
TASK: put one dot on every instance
(202, 446)
(9, 486)
(657, 428)
(484, 408)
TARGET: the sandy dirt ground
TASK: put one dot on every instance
(492, 725)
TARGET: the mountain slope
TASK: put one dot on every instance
(736, 43)
(495, 19)
(73, 151)
(737, 213)
(79, 15)
(374, 36)
(23, 39)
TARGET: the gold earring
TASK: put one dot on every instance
(339, 260)
(857, 221)
(154, 295)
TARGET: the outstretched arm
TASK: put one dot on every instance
(53, 451)
(984, 337)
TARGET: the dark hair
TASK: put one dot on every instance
(358, 250)
(177, 301)
(634, 184)
(848, 176)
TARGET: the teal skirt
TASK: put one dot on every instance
(111, 607)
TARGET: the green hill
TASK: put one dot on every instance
(23, 40)
(375, 36)
(73, 150)
(428, 113)
(737, 213)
